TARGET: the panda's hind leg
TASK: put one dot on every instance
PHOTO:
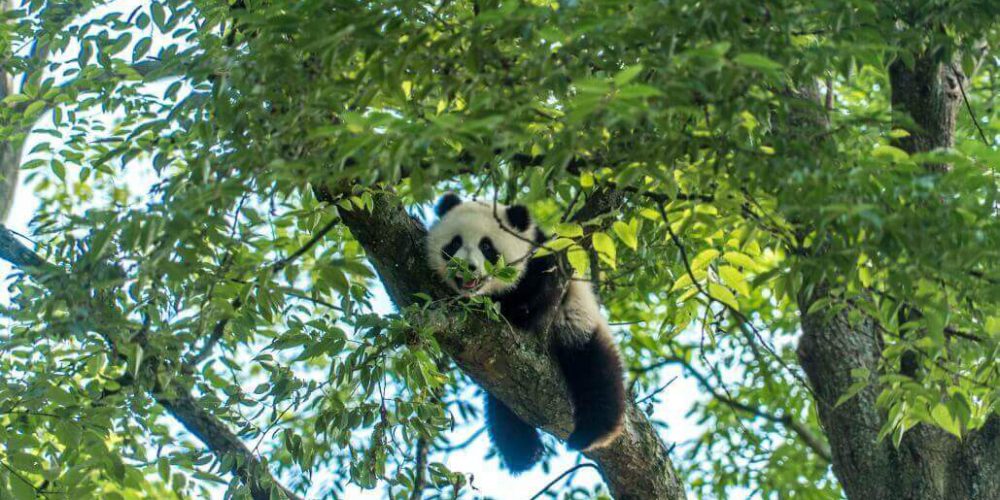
(518, 443)
(594, 374)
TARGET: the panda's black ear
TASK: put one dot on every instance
(518, 217)
(446, 203)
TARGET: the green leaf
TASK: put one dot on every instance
(16, 98)
(34, 109)
(141, 48)
(722, 294)
(59, 170)
(569, 230)
(556, 245)
(605, 248)
(638, 91)
(734, 279)
(159, 15)
(163, 468)
(627, 232)
(851, 391)
(757, 61)
(743, 260)
(25, 462)
(943, 418)
(890, 152)
(578, 259)
(703, 259)
(683, 282)
(21, 489)
(627, 75)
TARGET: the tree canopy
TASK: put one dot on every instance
(795, 202)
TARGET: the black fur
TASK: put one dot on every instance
(529, 305)
(518, 217)
(489, 251)
(446, 203)
(594, 374)
(449, 250)
(593, 370)
(518, 442)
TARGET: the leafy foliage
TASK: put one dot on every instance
(178, 146)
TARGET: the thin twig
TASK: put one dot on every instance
(217, 333)
(469, 440)
(657, 391)
(277, 266)
(20, 477)
(810, 439)
(968, 107)
(564, 474)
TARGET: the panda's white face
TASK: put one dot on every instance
(478, 232)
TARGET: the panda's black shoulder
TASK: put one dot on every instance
(536, 294)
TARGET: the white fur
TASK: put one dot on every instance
(579, 314)
(473, 220)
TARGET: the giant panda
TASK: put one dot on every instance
(538, 299)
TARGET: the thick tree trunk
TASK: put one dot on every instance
(929, 95)
(929, 463)
(10, 158)
(868, 468)
(511, 365)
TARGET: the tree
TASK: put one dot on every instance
(796, 203)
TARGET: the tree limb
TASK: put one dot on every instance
(808, 437)
(176, 398)
(420, 470)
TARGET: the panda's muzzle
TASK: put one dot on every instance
(467, 285)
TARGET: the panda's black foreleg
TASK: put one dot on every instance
(594, 374)
(518, 442)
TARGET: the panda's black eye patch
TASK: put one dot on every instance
(489, 251)
(449, 250)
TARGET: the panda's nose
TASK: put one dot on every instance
(472, 267)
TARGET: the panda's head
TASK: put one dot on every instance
(477, 232)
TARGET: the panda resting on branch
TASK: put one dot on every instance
(537, 299)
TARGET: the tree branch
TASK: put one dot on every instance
(176, 398)
(808, 437)
(420, 470)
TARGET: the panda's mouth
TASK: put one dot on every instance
(467, 286)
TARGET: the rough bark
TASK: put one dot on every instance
(511, 365)
(868, 468)
(251, 470)
(929, 463)
(176, 399)
(10, 151)
(929, 95)
(10, 163)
